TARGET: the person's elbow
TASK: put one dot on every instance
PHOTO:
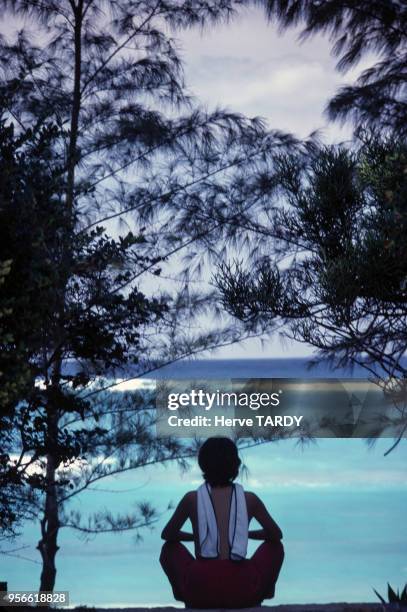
(274, 535)
(169, 535)
(278, 533)
(165, 535)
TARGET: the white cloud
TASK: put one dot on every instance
(248, 67)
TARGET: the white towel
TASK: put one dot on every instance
(208, 528)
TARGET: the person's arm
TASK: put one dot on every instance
(172, 531)
(271, 531)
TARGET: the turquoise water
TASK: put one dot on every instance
(341, 507)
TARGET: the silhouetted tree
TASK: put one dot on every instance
(99, 329)
(114, 138)
(20, 308)
(332, 269)
(357, 29)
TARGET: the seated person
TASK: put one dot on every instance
(220, 512)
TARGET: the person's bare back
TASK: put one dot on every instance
(221, 496)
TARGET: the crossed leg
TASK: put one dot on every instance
(175, 560)
(268, 560)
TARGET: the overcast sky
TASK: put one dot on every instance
(247, 66)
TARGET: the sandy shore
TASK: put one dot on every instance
(333, 607)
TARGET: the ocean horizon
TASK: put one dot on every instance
(264, 367)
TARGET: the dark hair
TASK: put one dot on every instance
(219, 461)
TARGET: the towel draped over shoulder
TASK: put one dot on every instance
(208, 528)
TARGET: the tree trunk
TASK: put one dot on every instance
(47, 545)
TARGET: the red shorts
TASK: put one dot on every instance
(220, 583)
